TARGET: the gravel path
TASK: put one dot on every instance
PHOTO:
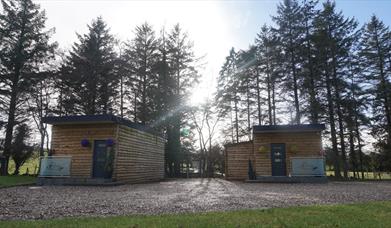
(176, 196)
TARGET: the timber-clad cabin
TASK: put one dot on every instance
(278, 153)
(101, 149)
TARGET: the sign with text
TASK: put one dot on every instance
(308, 167)
(54, 166)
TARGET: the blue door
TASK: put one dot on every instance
(278, 159)
(100, 159)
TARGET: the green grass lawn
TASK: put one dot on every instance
(8, 181)
(374, 214)
(367, 175)
(30, 166)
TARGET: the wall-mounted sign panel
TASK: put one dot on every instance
(55, 166)
(308, 166)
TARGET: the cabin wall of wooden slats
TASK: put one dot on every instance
(66, 140)
(236, 160)
(139, 156)
(297, 144)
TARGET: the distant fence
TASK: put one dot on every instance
(55, 166)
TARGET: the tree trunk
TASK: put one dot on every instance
(60, 101)
(384, 88)
(359, 145)
(176, 146)
(232, 127)
(312, 91)
(121, 96)
(352, 151)
(17, 168)
(340, 120)
(313, 102)
(10, 124)
(42, 143)
(135, 116)
(144, 100)
(200, 167)
(269, 100)
(274, 103)
(92, 106)
(295, 86)
(342, 139)
(41, 125)
(330, 105)
(236, 119)
(259, 99)
(386, 103)
(248, 112)
(297, 105)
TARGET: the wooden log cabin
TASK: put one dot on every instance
(101, 150)
(278, 153)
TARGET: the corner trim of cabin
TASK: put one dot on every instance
(114, 174)
(225, 163)
(253, 159)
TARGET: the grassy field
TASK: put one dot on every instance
(374, 214)
(31, 166)
(8, 181)
(367, 175)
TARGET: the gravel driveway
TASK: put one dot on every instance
(176, 196)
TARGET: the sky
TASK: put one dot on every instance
(213, 26)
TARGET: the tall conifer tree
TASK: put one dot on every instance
(376, 54)
(24, 47)
(141, 57)
(89, 74)
(335, 36)
(290, 31)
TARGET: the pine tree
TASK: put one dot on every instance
(89, 75)
(24, 47)
(268, 61)
(335, 36)
(163, 96)
(247, 76)
(290, 32)
(122, 73)
(227, 97)
(184, 75)
(21, 151)
(40, 104)
(141, 57)
(310, 88)
(357, 104)
(376, 54)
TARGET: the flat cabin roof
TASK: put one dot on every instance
(288, 128)
(239, 143)
(95, 119)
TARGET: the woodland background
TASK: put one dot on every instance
(313, 65)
